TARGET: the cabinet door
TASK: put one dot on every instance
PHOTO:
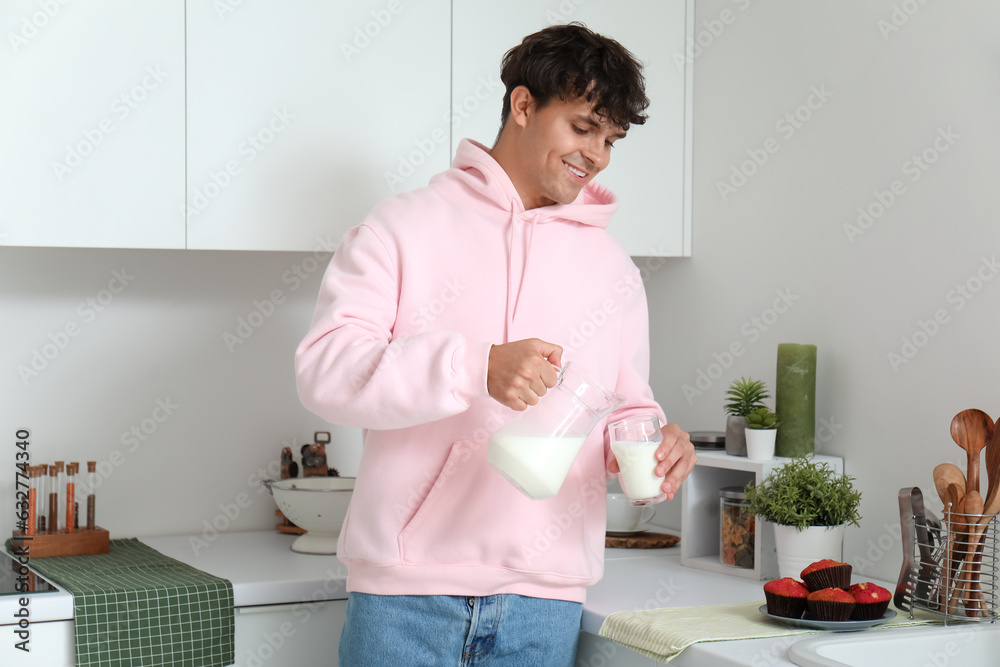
(50, 643)
(92, 136)
(304, 634)
(304, 114)
(650, 169)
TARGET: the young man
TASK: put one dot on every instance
(442, 315)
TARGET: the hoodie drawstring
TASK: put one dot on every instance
(524, 265)
(513, 296)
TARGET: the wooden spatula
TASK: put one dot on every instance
(991, 508)
(993, 465)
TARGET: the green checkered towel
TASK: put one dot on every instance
(661, 634)
(134, 606)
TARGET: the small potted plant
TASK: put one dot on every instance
(744, 395)
(810, 505)
(762, 427)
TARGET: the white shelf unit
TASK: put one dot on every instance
(700, 512)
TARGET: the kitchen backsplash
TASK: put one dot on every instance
(172, 369)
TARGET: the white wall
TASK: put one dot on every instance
(784, 230)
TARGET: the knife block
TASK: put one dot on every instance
(78, 542)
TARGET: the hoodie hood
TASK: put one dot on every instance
(478, 175)
(474, 168)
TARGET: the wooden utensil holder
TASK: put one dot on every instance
(78, 542)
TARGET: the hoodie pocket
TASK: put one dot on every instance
(473, 516)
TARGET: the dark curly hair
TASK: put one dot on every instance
(571, 61)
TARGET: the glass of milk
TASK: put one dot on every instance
(634, 442)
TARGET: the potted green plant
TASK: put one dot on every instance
(810, 505)
(744, 396)
(762, 427)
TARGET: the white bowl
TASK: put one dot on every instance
(317, 505)
(623, 517)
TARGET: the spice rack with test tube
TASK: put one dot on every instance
(54, 524)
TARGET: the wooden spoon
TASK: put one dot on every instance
(966, 524)
(946, 474)
(975, 594)
(950, 484)
(992, 507)
(971, 429)
(949, 600)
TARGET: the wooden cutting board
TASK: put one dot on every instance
(642, 541)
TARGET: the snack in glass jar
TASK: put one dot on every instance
(736, 547)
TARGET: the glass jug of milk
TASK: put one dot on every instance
(534, 452)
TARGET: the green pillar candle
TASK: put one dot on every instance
(795, 400)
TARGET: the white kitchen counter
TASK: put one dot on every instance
(261, 566)
(265, 571)
(653, 578)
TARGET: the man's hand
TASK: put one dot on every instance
(522, 371)
(676, 458)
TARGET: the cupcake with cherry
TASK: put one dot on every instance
(827, 594)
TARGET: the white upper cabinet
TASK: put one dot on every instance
(91, 143)
(650, 168)
(303, 114)
(279, 125)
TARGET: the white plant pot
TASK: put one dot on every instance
(760, 443)
(799, 548)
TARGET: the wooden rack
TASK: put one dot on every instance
(64, 543)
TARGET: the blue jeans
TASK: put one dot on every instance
(456, 631)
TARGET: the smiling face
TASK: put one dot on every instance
(552, 152)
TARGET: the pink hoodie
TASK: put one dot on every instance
(399, 345)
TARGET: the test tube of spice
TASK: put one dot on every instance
(60, 492)
(70, 497)
(42, 505)
(79, 492)
(29, 527)
(91, 500)
(53, 498)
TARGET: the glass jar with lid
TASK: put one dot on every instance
(736, 528)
